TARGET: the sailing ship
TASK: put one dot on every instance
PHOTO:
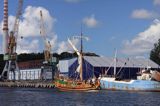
(147, 80)
(79, 84)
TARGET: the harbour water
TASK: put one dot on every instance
(53, 97)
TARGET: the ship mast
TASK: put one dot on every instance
(115, 62)
(81, 57)
(79, 53)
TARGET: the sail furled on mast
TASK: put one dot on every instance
(87, 70)
(79, 69)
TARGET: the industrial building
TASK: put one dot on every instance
(28, 74)
(31, 70)
(93, 66)
(12, 70)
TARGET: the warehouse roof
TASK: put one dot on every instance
(109, 62)
(121, 62)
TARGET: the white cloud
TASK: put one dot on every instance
(144, 14)
(26, 46)
(73, 1)
(91, 21)
(31, 22)
(11, 20)
(64, 46)
(144, 41)
(156, 2)
(53, 41)
(29, 28)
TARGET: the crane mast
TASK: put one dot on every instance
(47, 45)
(42, 27)
(47, 64)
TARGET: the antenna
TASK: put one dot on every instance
(81, 40)
(115, 62)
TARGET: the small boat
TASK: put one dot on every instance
(79, 84)
(143, 82)
(129, 85)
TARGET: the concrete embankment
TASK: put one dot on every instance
(25, 84)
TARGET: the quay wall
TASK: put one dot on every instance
(25, 84)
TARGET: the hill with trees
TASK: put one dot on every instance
(155, 53)
(40, 56)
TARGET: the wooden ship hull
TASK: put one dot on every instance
(74, 86)
(76, 89)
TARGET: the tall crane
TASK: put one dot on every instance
(11, 56)
(47, 45)
(47, 64)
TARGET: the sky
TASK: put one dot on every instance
(130, 26)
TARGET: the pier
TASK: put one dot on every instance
(27, 84)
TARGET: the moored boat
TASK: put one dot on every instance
(144, 81)
(132, 85)
(79, 83)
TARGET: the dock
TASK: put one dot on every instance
(25, 84)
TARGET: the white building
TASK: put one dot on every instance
(27, 74)
(32, 70)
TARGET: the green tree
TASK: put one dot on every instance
(155, 53)
(2, 63)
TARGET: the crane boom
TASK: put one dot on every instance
(47, 45)
(42, 27)
(17, 19)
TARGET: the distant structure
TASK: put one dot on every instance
(5, 27)
(32, 71)
(29, 70)
(50, 62)
(127, 68)
(47, 45)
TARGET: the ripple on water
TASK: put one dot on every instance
(52, 97)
